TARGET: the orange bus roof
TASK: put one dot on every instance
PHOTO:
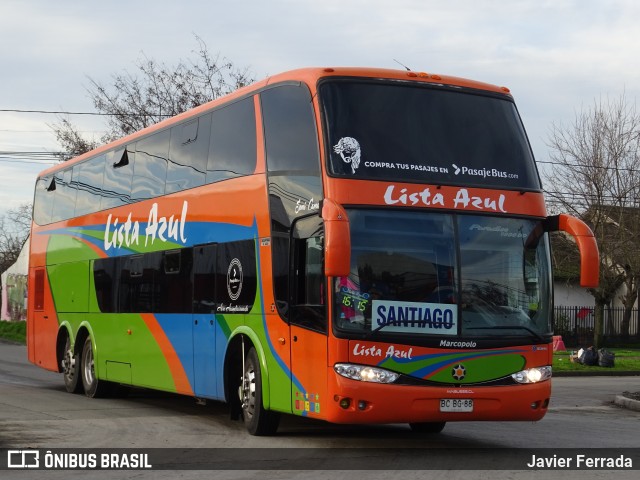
(308, 75)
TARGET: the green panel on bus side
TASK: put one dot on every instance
(66, 248)
(68, 273)
(70, 286)
(126, 338)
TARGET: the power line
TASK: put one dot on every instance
(39, 157)
(60, 112)
(54, 112)
(590, 166)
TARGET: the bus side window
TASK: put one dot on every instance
(118, 174)
(188, 154)
(89, 184)
(43, 207)
(173, 282)
(64, 203)
(290, 129)
(105, 279)
(307, 280)
(232, 151)
(204, 278)
(150, 168)
(280, 261)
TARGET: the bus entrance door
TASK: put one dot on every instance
(204, 323)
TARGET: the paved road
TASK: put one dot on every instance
(35, 411)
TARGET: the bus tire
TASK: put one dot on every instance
(93, 388)
(427, 427)
(71, 368)
(258, 420)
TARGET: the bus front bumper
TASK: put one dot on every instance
(362, 402)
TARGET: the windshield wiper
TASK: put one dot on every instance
(510, 327)
(377, 329)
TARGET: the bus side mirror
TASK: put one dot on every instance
(337, 240)
(587, 246)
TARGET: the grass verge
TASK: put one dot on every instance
(626, 360)
(14, 331)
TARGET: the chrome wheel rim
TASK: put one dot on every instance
(68, 364)
(249, 392)
(87, 365)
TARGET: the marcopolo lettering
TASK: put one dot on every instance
(457, 344)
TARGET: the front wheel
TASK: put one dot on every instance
(257, 419)
(427, 427)
(93, 387)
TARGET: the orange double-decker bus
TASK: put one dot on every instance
(351, 245)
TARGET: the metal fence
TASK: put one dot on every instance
(576, 325)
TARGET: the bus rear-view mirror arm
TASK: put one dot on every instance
(587, 246)
(337, 240)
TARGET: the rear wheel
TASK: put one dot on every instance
(427, 427)
(257, 419)
(71, 369)
(93, 387)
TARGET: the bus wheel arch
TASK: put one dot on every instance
(243, 370)
(93, 387)
(233, 374)
(257, 418)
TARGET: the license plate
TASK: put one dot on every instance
(456, 405)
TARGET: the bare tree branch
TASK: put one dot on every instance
(156, 91)
(596, 175)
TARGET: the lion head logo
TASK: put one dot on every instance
(349, 150)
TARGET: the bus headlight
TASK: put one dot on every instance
(533, 375)
(364, 373)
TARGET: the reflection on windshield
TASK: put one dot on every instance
(408, 277)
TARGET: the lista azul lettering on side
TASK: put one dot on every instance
(127, 234)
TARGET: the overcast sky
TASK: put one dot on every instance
(556, 56)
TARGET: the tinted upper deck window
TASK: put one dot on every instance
(188, 154)
(232, 151)
(150, 168)
(64, 203)
(290, 129)
(434, 134)
(118, 174)
(89, 183)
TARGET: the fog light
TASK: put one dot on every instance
(362, 405)
(345, 403)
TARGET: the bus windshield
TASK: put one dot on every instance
(438, 134)
(433, 274)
